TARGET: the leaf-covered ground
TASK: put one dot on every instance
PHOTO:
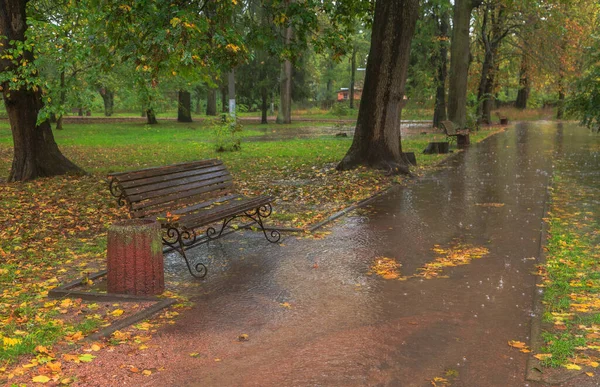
(53, 230)
(571, 276)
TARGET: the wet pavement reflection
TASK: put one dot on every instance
(314, 315)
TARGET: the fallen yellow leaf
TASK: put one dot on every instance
(572, 366)
(117, 312)
(41, 379)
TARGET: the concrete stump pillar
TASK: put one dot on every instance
(134, 257)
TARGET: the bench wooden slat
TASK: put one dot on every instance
(158, 189)
(220, 212)
(199, 206)
(176, 200)
(215, 183)
(154, 171)
(131, 184)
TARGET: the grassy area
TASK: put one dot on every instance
(572, 274)
(54, 229)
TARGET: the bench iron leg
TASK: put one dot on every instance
(176, 240)
(257, 216)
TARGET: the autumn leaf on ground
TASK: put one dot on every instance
(286, 305)
(243, 337)
(543, 356)
(572, 366)
(40, 379)
(387, 268)
(519, 345)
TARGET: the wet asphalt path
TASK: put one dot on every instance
(314, 317)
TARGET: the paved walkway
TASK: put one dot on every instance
(315, 317)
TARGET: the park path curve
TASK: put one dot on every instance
(314, 316)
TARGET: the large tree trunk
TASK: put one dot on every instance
(439, 112)
(459, 63)
(35, 151)
(377, 135)
(560, 108)
(184, 106)
(211, 102)
(284, 115)
(523, 93)
(108, 96)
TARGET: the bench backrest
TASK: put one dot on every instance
(448, 127)
(157, 190)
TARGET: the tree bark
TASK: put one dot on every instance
(352, 76)
(224, 106)
(151, 117)
(523, 93)
(108, 96)
(36, 154)
(284, 115)
(231, 93)
(264, 106)
(376, 140)
(459, 63)
(439, 112)
(184, 106)
(211, 102)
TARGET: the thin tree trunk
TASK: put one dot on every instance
(439, 112)
(560, 108)
(198, 109)
(376, 140)
(352, 77)
(284, 115)
(151, 116)
(264, 106)
(108, 97)
(211, 102)
(224, 106)
(523, 93)
(184, 106)
(231, 93)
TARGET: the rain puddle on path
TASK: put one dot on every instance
(315, 314)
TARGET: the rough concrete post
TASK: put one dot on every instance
(134, 257)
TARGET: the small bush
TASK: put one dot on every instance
(340, 109)
(227, 131)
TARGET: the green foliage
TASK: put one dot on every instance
(227, 134)
(341, 109)
(585, 101)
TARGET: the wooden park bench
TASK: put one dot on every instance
(189, 197)
(461, 135)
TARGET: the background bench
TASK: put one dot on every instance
(187, 197)
(461, 135)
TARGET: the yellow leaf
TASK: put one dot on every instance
(590, 374)
(146, 372)
(41, 379)
(54, 367)
(543, 356)
(286, 305)
(194, 354)
(142, 347)
(95, 347)
(572, 367)
(217, 359)
(117, 312)
(517, 344)
(66, 381)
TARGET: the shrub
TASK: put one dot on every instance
(227, 129)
